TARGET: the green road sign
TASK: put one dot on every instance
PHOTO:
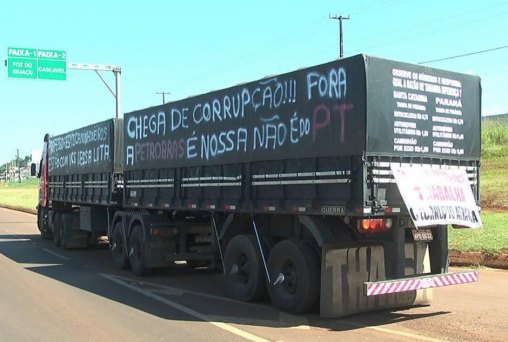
(52, 54)
(33, 63)
(22, 67)
(51, 70)
(22, 52)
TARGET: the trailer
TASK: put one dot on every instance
(329, 187)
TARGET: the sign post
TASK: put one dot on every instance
(117, 71)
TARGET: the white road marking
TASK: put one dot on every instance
(186, 310)
(63, 257)
(285, 319)
(393, 332)
(176, 291)
(11, 240)
(32, 265)
(16, 236)
(242, 320)
(169, 292)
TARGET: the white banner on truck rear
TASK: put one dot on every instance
(437, 196)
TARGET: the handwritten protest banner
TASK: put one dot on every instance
(437, 196)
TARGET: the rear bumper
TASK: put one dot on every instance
(430, 281)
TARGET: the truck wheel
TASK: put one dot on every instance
(46, 234)
(295, 269)
(119, 247)
(245, 279)
(40, 218)
(57, 227)
(137, 253)
(42, 225)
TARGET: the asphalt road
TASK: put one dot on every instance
(51, 294)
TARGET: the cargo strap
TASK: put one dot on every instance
(218, 244)
(261, 251)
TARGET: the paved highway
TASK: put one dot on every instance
(51, 294)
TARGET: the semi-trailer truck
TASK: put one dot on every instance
(329, 187)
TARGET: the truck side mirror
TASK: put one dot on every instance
(33, 170)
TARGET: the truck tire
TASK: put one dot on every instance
(119, 247)
(244, 274)
(137, 253)
(40, 218)
(300, 266)
(42, 224)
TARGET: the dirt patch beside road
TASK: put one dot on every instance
(25, 210)
(458, 258)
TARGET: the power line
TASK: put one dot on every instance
(465, 54)
(437, 31)
(433, 22)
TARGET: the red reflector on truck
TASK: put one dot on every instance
(419, 283)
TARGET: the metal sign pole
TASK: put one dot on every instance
(117, 71)
(118, 74)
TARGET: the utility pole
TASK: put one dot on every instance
(163, 93)
(341, 44)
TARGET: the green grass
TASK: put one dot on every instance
(22, 194)
(492, 239)
(494, 183)
(494, 133)
(494, 169)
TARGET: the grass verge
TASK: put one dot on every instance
(492, 239)
(23, 195)
(494, 168)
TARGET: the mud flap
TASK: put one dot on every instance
(345, 269)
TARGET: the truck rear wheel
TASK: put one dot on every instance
(295, 270)
(137, 253)
(244, 272)
(119, 247)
